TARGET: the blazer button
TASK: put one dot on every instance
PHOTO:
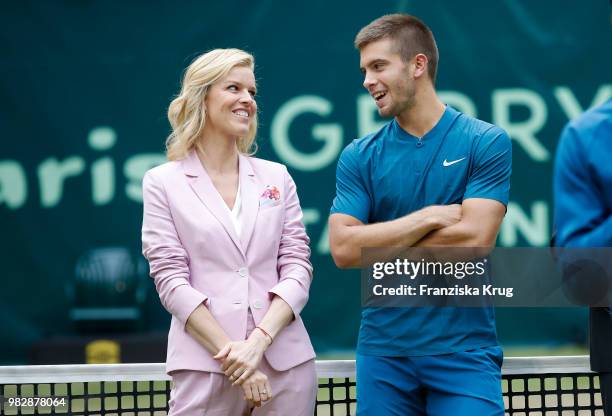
(258, 304)
(243, 272)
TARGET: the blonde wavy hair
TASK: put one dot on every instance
(187, 112)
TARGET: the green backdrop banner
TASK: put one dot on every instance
(85, 87)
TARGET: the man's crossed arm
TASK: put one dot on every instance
(474, 223)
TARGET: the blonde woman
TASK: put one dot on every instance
(228, 252)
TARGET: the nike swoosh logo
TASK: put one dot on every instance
(447, 163)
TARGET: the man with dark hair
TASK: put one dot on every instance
(583, 215)
(411, 36)
(431, 177)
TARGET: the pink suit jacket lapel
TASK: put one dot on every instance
(250, 200)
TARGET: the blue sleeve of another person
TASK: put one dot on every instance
(581, 216)
(492, 165)
(352, 197)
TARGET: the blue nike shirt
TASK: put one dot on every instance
(389, 174)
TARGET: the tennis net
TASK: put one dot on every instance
(543, 386)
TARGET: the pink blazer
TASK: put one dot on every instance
(196, 256)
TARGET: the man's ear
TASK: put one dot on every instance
(420, 65)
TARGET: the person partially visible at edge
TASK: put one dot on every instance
(583, 215)
(431, 177)
(227, 249)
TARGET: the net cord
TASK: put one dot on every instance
(72, 373)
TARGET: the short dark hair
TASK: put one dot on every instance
(410, 37)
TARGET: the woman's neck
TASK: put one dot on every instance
(219, 156)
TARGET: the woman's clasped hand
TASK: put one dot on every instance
(239, 362)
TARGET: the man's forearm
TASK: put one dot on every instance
(478, 226)
(462, 234)
(458, 235)
(460, 240)
(402, 232)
